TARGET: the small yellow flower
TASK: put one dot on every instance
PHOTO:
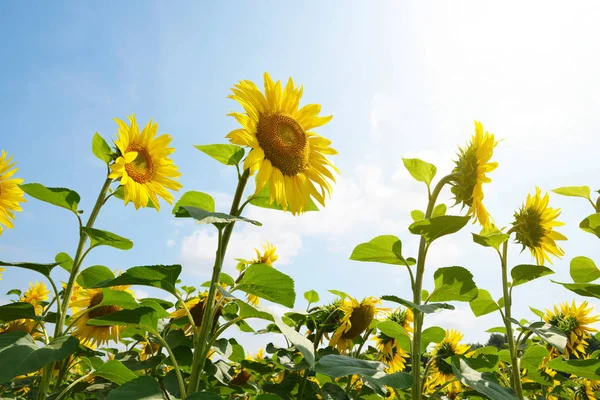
(144, 166)
(10, 192)
(575, 322)
(35, 295)
(440, 370)
(534, 227)
(1, 271)
(268, 257)
(357, 316)
(470, 173)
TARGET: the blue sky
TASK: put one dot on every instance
(401, 79)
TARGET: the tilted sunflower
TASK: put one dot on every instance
(575, 322)
(357, 316)
(91, 335)
(288, 156)
(440, 371)
(143, 166)
(196, 307)
(35, 295)
(268, 257)
(587, 389)
(534, 227)
(148, 350)
(470, 173)
(389, 349)
(10, 192)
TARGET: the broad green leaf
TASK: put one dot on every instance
(119, 298)
(483, 304)
(207, 217)
(101, 149)
(268, 283)
(339, 293)
(104, 238)
(247, 311)
(482, 382)
(204, 396)
(524, 273)
(267, 396)
(420, 170)
(433, 334)
(224, 278)
(262, 200)
(574, 191)
(591, 224)
(311, 296)
(439, 210)
(398, 380)
(303, 345)
(92, 276)
(337, 366)
(61, 197)
(498, 329)
(453, 284)
(228, 154)
(417, 215)
(533, 357)
(434, 228)
(143, 388)
(13, 311)
(583, 289)
(537, 312)
(16, 292)
(385, 249)
(158, 276)
(549, 333)
(424, 308)
(584, 270)
(193, 199)
(43, 269)
(145, 317)
(160, 311)
(116, 372)
(65, 261)
(119, 193)
(491, 240)
(589, 369)
(396, 331)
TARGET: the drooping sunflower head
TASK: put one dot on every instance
(440, 370)
(575, 322)
(534, 227)
(288, 156)
(357, 316)
(587, 389)
(143, 165)
(196, 307)
(389, 349)
(149, 349)
(10, 192)
(470, 173)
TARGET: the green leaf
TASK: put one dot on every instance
(439, 210)
(262, 200)
(453, 284)
(524, 273)
(158, 276)
(193, 199)
(337, 366)
(101, 149)
(228, 154)
(65, 261)
(91, 276)
(247, 311)
(339, 293)
(396, 331)
(119, 193)
(533, 357)
(311, 296)
(591, 224)
(142, 388)
(204, 396)
(483, 304)
(105, 238)
(385, 249)
(207, 217)
(589, 369)
(584, 270)
(116, 372)
(434, 228)
(16, 292)
(498, 329)
(424, 308)
(482, 382)
(583, 289)
(420, 170)
(61, 197)
(119, 298)
(549, 333)
(417, 215)
(491, 240)
(574, 191)
(13, 311)
(433, 334)
(268, 283)
(43, 269)
(302, 344)
(537, 312)
(145, 317)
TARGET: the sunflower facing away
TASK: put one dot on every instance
(575, 322)
(389, 349)
(470, 173)
(288, 156)
(35, 295)
(440, 370)
(144, 166)
(356, 319)
(268, 257)
(534, 227)
(196, 307)
(10, 192)
(94, 335)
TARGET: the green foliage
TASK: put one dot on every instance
(193, 199)
(105, 238)
(60, 197)
(311, 296)
(453, 284)
(101, 149)
(584, 270)
(115, 371)
(424, 308)
(494, 239)
(228, 154)
(420, 170)
(483, 304)
(524, 273)
(144, 387)
(268, 283)
(582, 368)
(434, 228)
(396, 331)
(385, 249)
(482, 382)
(158, 276)
(591, 224)
(207, 217)
(574, 191)
(13, 311)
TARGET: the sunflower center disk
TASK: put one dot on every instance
(284, 143)
(141, 169)
(101, 311)
(360, 319)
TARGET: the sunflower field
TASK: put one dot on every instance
(90, 337)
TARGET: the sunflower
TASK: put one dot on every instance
(75, 295)
(268, 257)
(355, 320)
(470, 173)
(587, 389)
(574, 321)
(389, 349)
(534, 227)
(440, 370)
(196, 307)
(35, 295)
(95, 335)
(287, 155)
(1, 271)
(143, 165)
(10, 192)
(149, 349)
